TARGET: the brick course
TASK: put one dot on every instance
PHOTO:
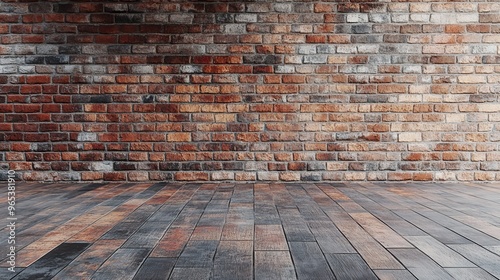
(242, 91)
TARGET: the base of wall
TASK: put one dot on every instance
(224, 176)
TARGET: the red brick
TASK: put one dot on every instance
(392, 88)
(443, 59)
(316, 39)
(38, 79)
(91, 156)
(92, 176)
(297, 166)
(77, 18)
(400, 176)
(138, 176)
(167, 108)
(326, 156)
(119, 108)
(241, 49)
(179, 137)
(228, 98)
(114, 89)
(115, 176)
(455, 28)
(191, 176)
(27, 108)
(478, 28)
(51, 157)
(227, 59)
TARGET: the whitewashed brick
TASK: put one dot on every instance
(444, 18)
(468, 18)
(307, 49)
(102, 166)
(245, 18)
(420, 17)
(235, 28)
(357, 17)
(87, 137)
(400, 18)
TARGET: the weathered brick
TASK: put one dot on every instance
(222, 176)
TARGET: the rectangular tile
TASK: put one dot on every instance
(295, 227)
(230, 271)
(153, 189)
(394, 274)
(469, 273)
(332, 190)
(207, 233)
(330, 239)
(420, 265)
(273, 265)
(202, 195)
(360, 202)
(281, 196)
(198, 253)
(372, 252)
(298, 232)
(121, 230)
(242, 193)
(234, 260)
(262, 194)
(350, 266)
(34, 251)
(190, 273)
(147, 236)
(309, 209)
(480, 256)
(238, 232)
(266, 214)
(51, 263)
(309, 261)
(123, 264)
(481, 225)
(166, 214)
(90, 260)
(398, 224)
(464, 230)
(172, 243)
(494, 249)
(188, 217)
(270, 237)
(217, 206)
(141, 214)
(381, 232)
(439, 252)
(230, 251)
(435, 230)
(212, 219)
(241, 213)
(84, 189)
(155, 269)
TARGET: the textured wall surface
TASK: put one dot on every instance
(250, 90)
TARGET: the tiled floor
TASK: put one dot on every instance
(254, 231)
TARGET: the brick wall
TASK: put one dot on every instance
(250, 90)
